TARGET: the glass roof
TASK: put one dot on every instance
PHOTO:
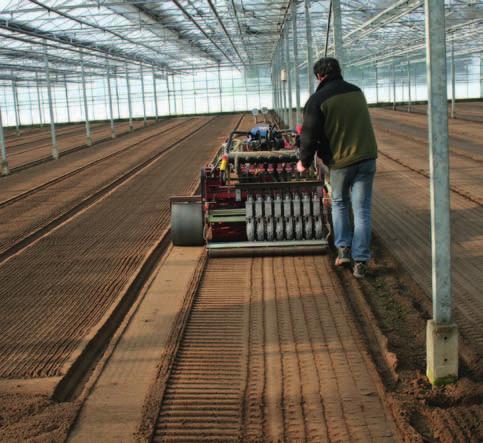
(182, 35)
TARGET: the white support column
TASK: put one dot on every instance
(258, 87)
(219, 88)
(338, 43)
(173, 93)
(169, 94)
(155, 96)
(16, 106)
(453, 81)
(288, 65)
(194, 91)
(86, 106)
(129, 97)
(117, 96)
(298, 117)
(3, 148)
(246, 88)
(310, 57)
(377, 84)
(30, 106)
(141, 73)
(39, 99)
(67, 99)
(109, 92)
(207, 91)
(409, 85)
(55, 149)
(442, 333)
(394, 85)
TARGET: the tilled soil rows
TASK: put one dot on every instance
(269, 353)
(470, 111)
(35, 210)
(402, 221)
(36, 148)
(55, 291)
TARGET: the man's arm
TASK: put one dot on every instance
(311, 132)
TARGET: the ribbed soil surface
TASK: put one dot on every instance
(270, 353)
(402, 221)
(29, 148)
(471, 111)
(36, 210)
(55, 291)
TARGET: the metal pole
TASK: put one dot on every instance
(327, 33)
(142, 92)
(310, 58)
(169, 94)
(155, 95)
(409, 86)
(67, 99)
(289, 79)
(30, 106)
(86, 107)
(55, 150)
(207, 91)
(219, 88)
(453, 81)
(3, 148)
(394, 86)
(129, 98)
(246, 88)
(259, 92)
(298, 118)
(338, 46)
(194, 91)
(377, 84)
(174, 95)
(442, 334)
(117, 97)
(15, 104)
(111, 112)
(38, 99)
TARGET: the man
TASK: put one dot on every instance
(338, 127)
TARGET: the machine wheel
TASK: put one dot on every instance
(187, 223)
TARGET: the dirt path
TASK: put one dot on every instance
(270, 353)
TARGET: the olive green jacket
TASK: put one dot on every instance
(337, 126)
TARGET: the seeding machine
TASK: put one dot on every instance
(253, 201)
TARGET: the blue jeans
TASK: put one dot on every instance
(353, 185)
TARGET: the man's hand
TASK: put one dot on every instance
(300, 167)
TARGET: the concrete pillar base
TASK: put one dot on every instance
(5, 169)
(89, 141)
(441, 353)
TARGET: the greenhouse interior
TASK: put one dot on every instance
(241, 221)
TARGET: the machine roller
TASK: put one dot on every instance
(254, 202)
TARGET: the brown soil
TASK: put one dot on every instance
(30, 148)
(278, 359)
(401, 309)
(468, 111)
(34, 418)
(37, 209)
(402, 221)
(59, 288)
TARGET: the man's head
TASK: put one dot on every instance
(325, 67)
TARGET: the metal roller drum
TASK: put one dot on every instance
(187, 223)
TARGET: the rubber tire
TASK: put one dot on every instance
(187, 224)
